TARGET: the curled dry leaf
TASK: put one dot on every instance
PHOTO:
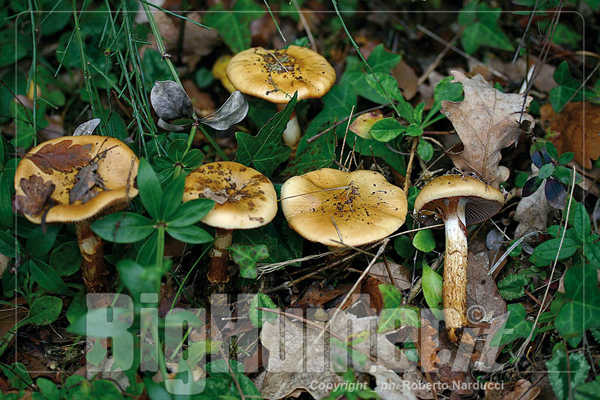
(87, 128)
(170, 101)
(37, 192)
(231, 112)
(62, 156)
(532, 213)
(363, 123)
(570, 133)
(486, 121)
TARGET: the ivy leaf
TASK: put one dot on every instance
(234, 25)
(583, 310)
(246, 256)
(257, 317)
(484, 31)
(265, 151)
(565, 375)
(424, 241)
(393, 318)
(392, 297)
(568, 89)
(513, 286)
(517, 326)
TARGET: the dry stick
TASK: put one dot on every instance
(562, 238)
(346, 135)
(317, 326)
(237, 384)
(311, 39)
(358, 281)
(410, 164)
(437, 61)
(462, 53)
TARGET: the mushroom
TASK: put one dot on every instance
(274, 75)
(337, 208)
(459, 201)
(245, 199)
(77, 179)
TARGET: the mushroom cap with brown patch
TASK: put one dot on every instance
(275, 75)
(484, 200)
(362, 205)
(244, 198)
(117, 168)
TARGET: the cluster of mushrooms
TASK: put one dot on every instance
(327, 206)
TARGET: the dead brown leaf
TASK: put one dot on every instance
(36, 192)
(519, 390)
(570, 136)
(407, 79)
(317, 295)
(61, 157)
(197, 41)
(532, 213)
(486, 121)
(400, 274)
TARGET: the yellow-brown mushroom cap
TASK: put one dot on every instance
(60, 160)
(245, 198)
(362, 205)
(275, 75)
(483, 200)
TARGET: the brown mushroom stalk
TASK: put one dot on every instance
(93, 268)
(458, 201)
(217, 270)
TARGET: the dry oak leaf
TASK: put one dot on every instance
(569, 128)
(486, 121)
(61, 157)
(36, 192)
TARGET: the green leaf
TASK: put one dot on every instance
(545, 253)
(265, 151)
(386, 86)
(48, 388)
(580, 220)
(587, 391)
(155, 67)
(404, 247)
(147, 252)
(568, 89)
(283, 243)
(392, 297)
(124, 227)
(424, 241)
(44, 310)
(432, 287)
(381, 60)
(546, 171)
(258, 317)
(151, 192)
(387, 129)
(95, 323)
(139, 279)
(234, 25)
(565, 375)
(424, 150)
(190, 234)
(444, 90)
(17, 375)
(190, 212)
(66, 259)
(517, 326)
(565, 158)
(592, 253)
(47, 278)
(583, 310)
(171, 199)
(246, 256)
(484, 32)
(39, 243)
(393, 318)
(513, 286)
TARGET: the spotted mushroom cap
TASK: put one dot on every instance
(275, 75)
(362, 205)
(75, 178)
(245, 198)
(483, 200)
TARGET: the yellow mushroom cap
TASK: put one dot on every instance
(245, 198)
(60, 160)
(362, 205)
(483, 200)
(275, 75)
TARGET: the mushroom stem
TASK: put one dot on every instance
(291, 135)
(92, 258)
(454, 291)
(217, 271)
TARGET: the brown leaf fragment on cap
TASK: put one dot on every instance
(36, 192)
(61, 156)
